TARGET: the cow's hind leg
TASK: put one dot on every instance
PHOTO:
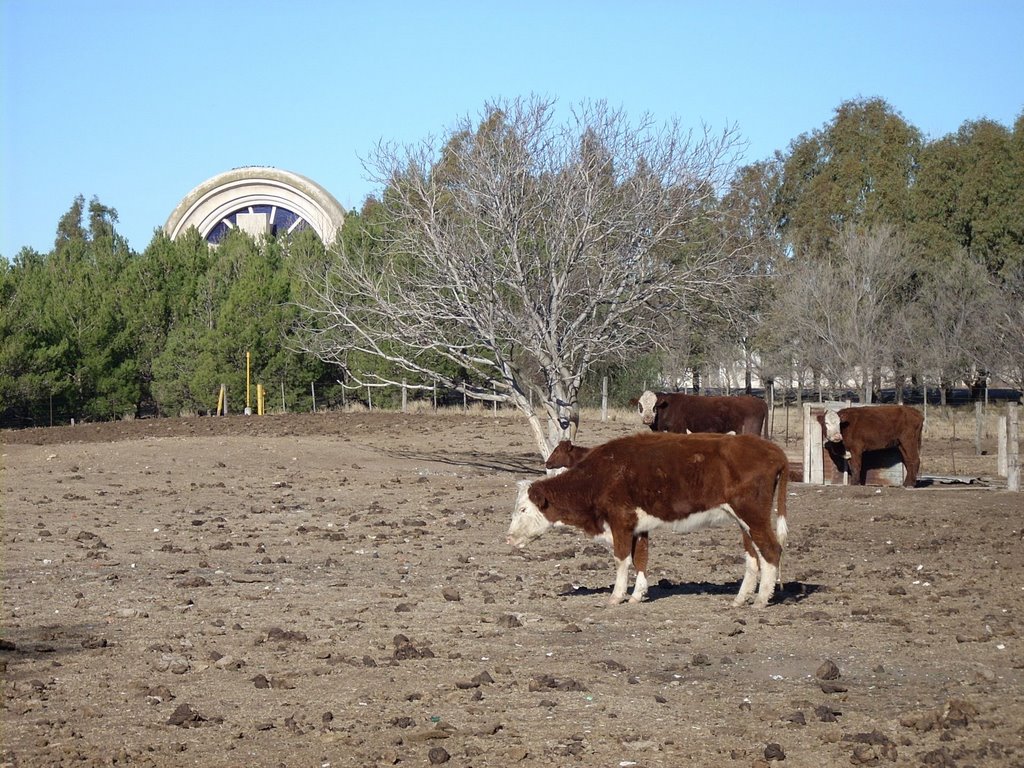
(750, 575)
(622, 548)
(769, 555)
(912, 463)
(641, 548)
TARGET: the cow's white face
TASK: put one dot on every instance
(832, 433)
(646, 405)
(528, 522)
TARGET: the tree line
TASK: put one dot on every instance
(525, 258)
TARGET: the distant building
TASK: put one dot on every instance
(258, 200)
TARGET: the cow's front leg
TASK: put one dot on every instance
(641, 549)
(854, 460)
(622, 546)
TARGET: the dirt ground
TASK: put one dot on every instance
(336, 590)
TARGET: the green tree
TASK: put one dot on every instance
(968, 196)
(858, 170)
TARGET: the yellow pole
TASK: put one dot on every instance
(259, 399)
(247, 402)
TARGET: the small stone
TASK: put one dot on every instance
(438, 755)
(827, 671)
(774, 752)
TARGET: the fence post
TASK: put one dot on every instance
(1001, 447)
(404, 396)
(312, 392)
(1012, 449)
(604, 398)
(369, 398)
(978, 422)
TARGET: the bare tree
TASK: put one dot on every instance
(843, 308)
(1007, 330)
(522, 251)
(956, 313)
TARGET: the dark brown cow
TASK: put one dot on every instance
(632, 485)
(566, 455)
(875, 428)
(679, 412)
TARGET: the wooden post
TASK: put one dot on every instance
(604, 398)
(812, 471)
(1012, 449)
(978, 422)
(369, 398)
(404, 396)
(312, 392)
(1001, 447)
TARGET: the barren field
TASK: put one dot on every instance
(335, 590)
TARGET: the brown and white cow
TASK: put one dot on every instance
(565, 455)
(679, 412)
(632, 485)
(875, 428)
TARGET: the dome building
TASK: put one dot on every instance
(258, 200)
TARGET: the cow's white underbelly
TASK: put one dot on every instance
(719, 515)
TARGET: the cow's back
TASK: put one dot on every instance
(671, 475)
(881, 426)
(679, 412)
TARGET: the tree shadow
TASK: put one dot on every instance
(523, 463)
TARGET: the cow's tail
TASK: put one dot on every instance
(781, 526)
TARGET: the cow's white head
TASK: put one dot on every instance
(646, 405)
(832, 433)
(528, 522)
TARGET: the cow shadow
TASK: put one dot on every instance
(789, 593)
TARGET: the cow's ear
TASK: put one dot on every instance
(540, 500)
(661, 404)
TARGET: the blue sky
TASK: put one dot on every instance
(137, 102)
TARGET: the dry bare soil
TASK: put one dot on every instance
(335, 590)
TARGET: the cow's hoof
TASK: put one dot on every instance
(739, 602)
(615, 600)
(636, 599)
